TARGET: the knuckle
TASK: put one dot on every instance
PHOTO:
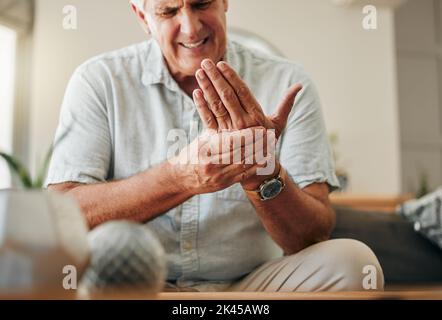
(216, 76)
(216, 182)
(250, 174)
(219, 186)
(217, 106)
(205, 86)
(243, 92)
(226, 94)
(239, 123)
(206, 170)
(209, 121)
(229, 73)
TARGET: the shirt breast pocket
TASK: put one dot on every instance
(234, 192)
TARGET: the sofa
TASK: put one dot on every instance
(406, 257)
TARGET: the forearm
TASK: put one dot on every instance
(140, 198)
(295, 219)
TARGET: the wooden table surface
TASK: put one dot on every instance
(396, 295)
(369, 202)
(414, 294)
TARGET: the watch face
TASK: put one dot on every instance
(271, 189)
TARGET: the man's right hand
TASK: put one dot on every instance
(171, 182)
(217, 160)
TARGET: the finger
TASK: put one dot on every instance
(204, 111)
(247, 174)
(266, 148)
(226, 93)
(246, 170)
(283, 110)
(249, 154)
(215, 103)
(244, 154)
(204, 153)
(227, 141)
(234, 171)
(244, 94)
(260, 155)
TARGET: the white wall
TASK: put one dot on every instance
(103, 25)
(419, 41)
(354, 70)
(7, 77)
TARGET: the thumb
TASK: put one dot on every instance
(280, 117)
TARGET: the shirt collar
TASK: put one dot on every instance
(156, 71)
(232, 57)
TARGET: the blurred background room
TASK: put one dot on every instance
(380, 87)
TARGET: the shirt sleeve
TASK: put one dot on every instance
(82, 146)
(305, 150)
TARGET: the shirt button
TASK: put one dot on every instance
(187, 245)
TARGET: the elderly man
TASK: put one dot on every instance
(224, 226)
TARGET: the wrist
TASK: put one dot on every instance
(178, 178)
(255, 182)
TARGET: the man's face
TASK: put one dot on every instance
(188, 31)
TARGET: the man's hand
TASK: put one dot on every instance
(226, 102)
(216, 160)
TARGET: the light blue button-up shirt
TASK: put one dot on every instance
(120, 108)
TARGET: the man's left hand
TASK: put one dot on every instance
(225, 102)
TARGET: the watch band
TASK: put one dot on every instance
(256, 194)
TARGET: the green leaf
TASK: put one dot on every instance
(19, 169)
(39, 181)
(16, 166)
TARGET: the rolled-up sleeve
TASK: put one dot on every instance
(305, 150)
(82, 146)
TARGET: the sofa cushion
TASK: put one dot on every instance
(405, 256)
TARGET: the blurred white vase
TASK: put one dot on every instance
(40, 234)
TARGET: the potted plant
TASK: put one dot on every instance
(341, 173)
(43, 237)
(23, 174)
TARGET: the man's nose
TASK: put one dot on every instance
(190, 25)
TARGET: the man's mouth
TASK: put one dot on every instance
(194, 45)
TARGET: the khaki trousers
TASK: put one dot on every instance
(333, 265)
